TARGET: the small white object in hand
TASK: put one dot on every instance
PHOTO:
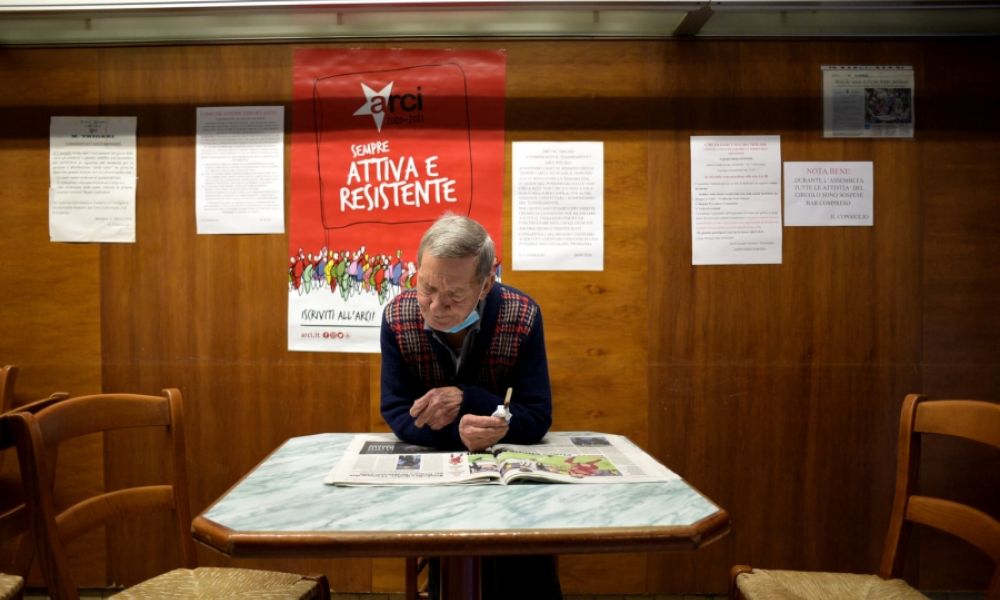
(502, 412)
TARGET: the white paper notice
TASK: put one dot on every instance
(558, 206)
(868, 101)
(829, 193)
(239, 184)
(92, 179)
(735, 200)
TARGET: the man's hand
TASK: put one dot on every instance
(437, 408)
(479, 433)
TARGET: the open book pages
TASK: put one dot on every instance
(561, 457)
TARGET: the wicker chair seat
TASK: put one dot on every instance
(10, 586)
(223, 583)
(767, 584)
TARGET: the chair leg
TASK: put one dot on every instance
(324, 585)
(736, 571)
(417, 579)
(411, 579)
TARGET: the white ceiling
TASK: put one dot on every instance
(82, 22)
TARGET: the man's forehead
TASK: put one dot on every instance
(449, 279)
(456, 272)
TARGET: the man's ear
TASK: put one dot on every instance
(490, 279)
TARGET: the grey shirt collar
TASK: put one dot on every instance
(458, 357)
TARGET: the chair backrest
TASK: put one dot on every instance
(8, 375)
(969, 419)
(38, 437)
(14, 522)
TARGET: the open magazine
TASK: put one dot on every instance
(561, 457)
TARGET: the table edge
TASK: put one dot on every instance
(249, 544)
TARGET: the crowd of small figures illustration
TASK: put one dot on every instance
(351, 273)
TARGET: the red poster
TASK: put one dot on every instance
(383, 142)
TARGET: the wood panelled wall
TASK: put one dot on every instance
(51, 293)
(774, 389)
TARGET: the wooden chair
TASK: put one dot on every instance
(8, 375)
(417, 584)
(38, 437)
(13, 513)
(969, 419)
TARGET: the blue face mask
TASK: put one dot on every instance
(468, 322)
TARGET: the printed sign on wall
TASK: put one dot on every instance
(383, 143)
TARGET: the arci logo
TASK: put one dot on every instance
(379, 104)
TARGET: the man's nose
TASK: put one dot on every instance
(441, 302)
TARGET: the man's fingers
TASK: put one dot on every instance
(436, 408)
(487, 422)
(431, 416)
(418, 406)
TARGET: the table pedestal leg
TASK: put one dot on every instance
(460, 578)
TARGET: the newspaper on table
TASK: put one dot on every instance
(561, 457)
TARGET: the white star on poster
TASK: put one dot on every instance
(370, 96)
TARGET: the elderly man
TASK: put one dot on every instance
(451, 349)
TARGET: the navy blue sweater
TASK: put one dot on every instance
(508, 351)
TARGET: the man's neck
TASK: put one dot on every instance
(455, 340)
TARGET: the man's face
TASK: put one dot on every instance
(447, 290)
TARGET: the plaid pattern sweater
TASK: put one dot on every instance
(508, 351)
